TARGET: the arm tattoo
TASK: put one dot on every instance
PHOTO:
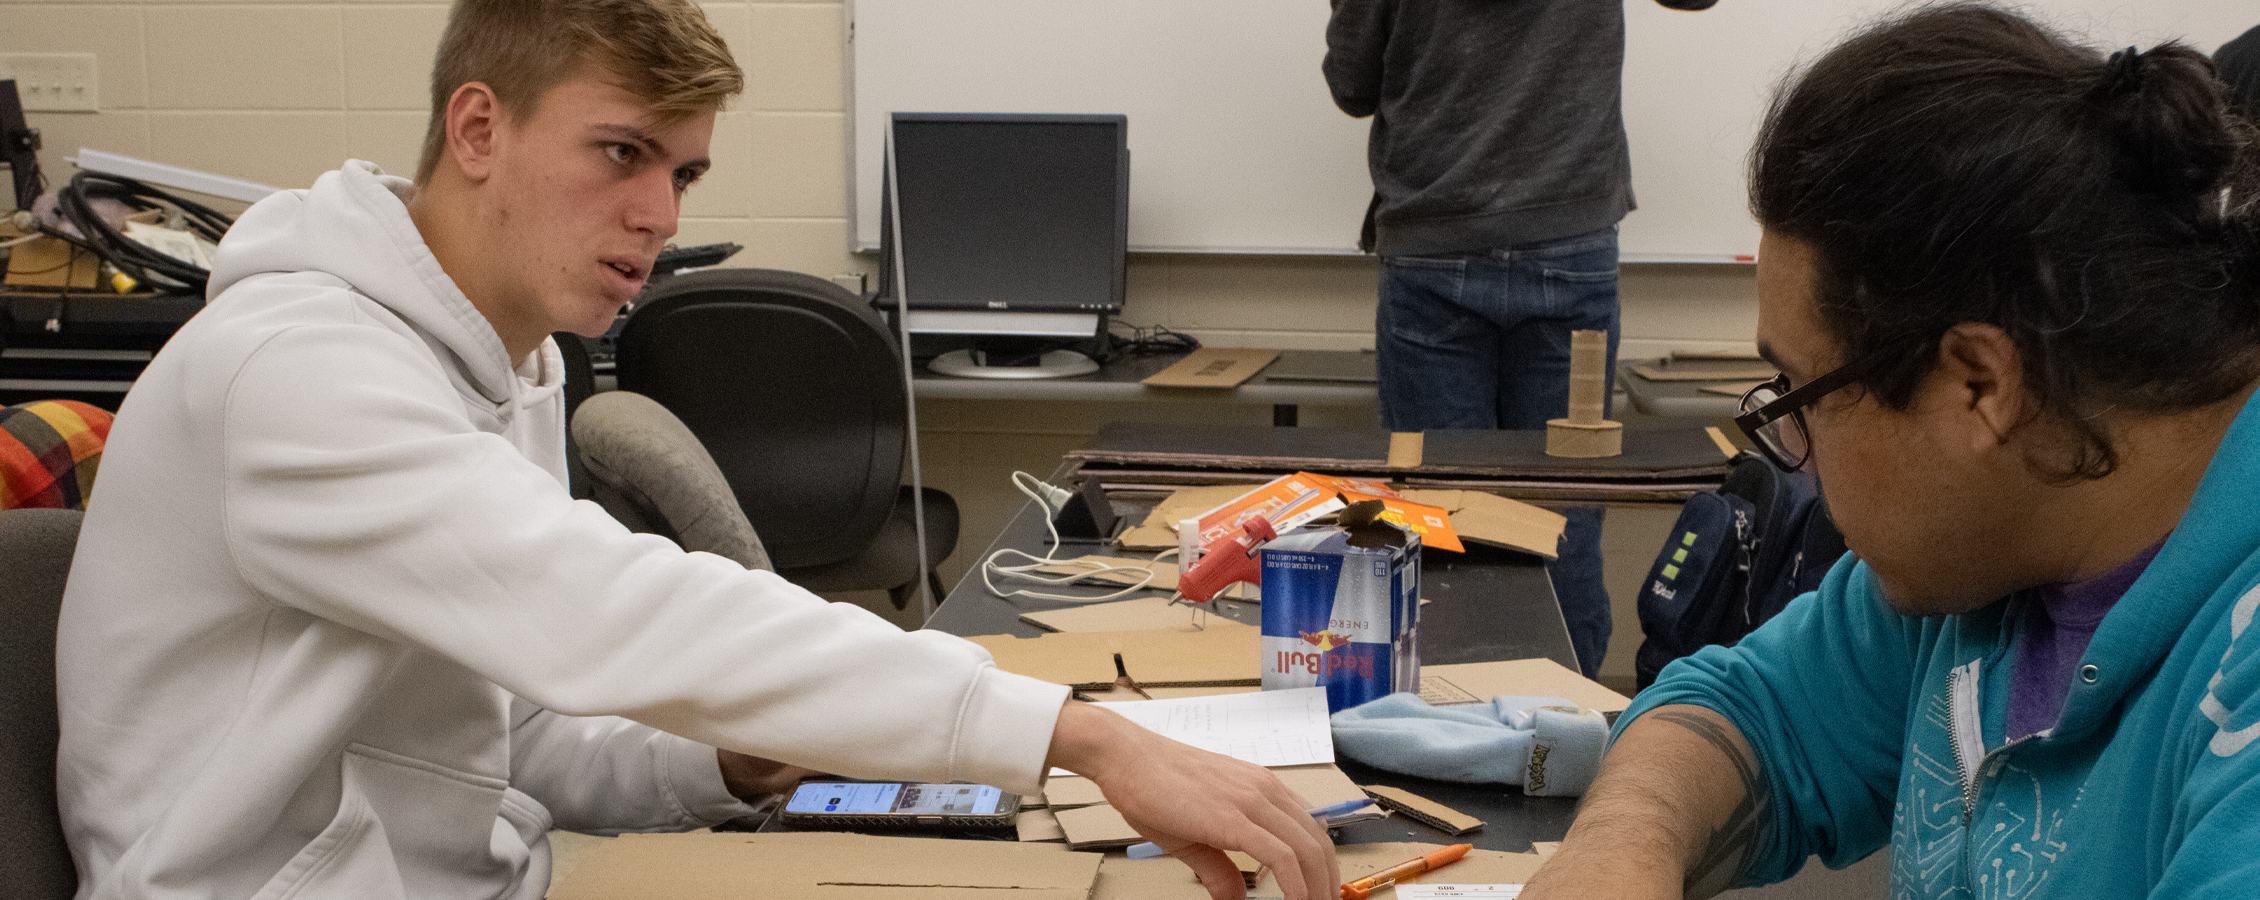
(1727, 853)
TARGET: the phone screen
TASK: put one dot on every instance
(895, 798)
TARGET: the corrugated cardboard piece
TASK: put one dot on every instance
(1213, 367)
(1479, 682)
(1159, 530)
(1098, 826)
(1224, 653)
(1140, 614)
(794, 866)
(1498, 521)
(1421, 809)
(1477, 867)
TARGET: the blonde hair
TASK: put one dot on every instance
(662, 50)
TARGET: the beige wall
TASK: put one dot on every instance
(280, 92)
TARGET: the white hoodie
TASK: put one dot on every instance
(335, 628)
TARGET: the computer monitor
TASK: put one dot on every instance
(1012, 232)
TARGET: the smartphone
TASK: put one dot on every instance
(899, 804)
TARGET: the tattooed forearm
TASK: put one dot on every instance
(1726, 854)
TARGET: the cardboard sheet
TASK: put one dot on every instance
(1038, 825)
(1479, 682)
(1321, 784)
(1498, 521)
(1158, 531)
(1479, 866)
(1213, 367)
(1225, 653)
(817, 866)
(1139, 614)
(1162, 878)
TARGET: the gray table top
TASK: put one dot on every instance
(1485, 605)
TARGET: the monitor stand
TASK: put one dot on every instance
(977, 364)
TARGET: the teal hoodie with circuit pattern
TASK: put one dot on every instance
(1874, 726)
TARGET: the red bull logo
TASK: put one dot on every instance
(1324, 663)
(1323, 640)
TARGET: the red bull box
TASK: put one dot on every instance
(1341, 610)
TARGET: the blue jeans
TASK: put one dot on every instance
(1481, 340)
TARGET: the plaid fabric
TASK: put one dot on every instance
(49, 451)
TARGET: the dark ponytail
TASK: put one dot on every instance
(1960, 164)
(2171, 137)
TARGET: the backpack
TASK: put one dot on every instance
(1735, 557)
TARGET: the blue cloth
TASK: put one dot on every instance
(1545, 744)
(2146, 787)
(1481, 340)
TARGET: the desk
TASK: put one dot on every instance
(1118, 382)
(1485, 605)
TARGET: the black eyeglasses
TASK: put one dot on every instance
(1774, 416)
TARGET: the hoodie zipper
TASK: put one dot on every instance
(1966, 735)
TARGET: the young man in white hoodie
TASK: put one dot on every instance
(337, 630)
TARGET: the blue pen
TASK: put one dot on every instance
(1324, 814)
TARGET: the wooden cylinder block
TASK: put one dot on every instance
(1580, 440)
(1588, 376)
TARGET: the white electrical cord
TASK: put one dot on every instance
(1050, 499)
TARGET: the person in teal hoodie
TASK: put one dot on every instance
(2012, 285)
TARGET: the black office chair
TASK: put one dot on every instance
(35, 558)
(796, 389)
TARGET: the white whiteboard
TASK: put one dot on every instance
(1236, 146)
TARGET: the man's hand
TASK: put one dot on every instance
(1197, 804)
(1678, 810)
(750, 777)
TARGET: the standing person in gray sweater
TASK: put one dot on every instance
(1500, 170)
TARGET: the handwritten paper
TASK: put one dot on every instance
(1268, 728)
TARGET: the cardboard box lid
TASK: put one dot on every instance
(819, 866)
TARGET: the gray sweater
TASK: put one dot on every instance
(1495, 122)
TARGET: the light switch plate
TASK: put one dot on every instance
(53, 82)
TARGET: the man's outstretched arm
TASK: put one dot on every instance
(1678, 810)
(1197, 804)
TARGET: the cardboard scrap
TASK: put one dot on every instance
(1096, 827)
(1091, 824)
(1038, 825)
(1213, 367)
(1423, 810)
(1479, 682)
(1139, 614)
(824, 866)
(1226, 652)
(1319, 784)
(1498, 521)
(1159, 530)
(1544, 849)
(1160, 878)
(1479, 866)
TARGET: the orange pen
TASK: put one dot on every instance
(1430, 861)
